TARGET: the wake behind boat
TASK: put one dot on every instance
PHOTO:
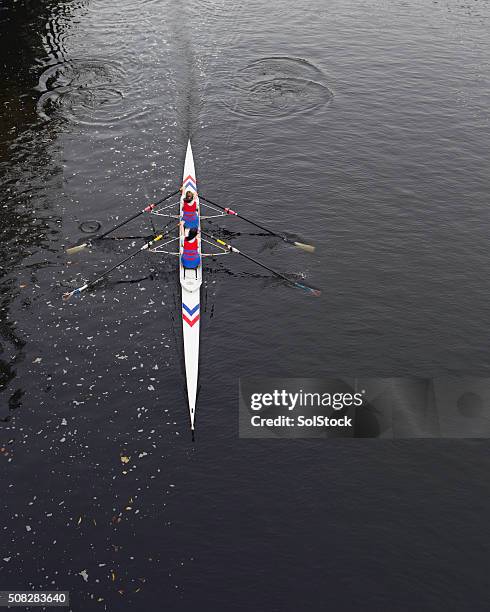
(185, 220)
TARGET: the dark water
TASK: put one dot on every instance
(361, 126)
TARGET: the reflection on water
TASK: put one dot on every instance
(30, 171)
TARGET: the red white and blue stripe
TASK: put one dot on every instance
(190, 183)
(190, 315)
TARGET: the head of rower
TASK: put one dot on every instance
(189, 196)
(190, 234)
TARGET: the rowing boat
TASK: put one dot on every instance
(190, 281)
(190, 278)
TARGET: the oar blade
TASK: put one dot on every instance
(309, 248)
(310, 290)
(77, 248)
(69, 294)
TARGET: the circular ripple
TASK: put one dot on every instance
(471, 405)
(278, 87)
(81, 91)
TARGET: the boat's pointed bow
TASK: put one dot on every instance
(189, 170)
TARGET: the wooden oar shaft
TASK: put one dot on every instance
(309, 248)
(233, 212)
(147, 209)
(113, 229)
(123, 261)
(87, 285)
(255, 261)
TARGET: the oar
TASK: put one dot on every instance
(147, 245)
(300, 245)
(233, 249)
(149, 208)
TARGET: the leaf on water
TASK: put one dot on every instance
(84, 575)
(79, 520)
(125, 459)
(113, 576)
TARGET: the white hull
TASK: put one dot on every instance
(190, 281)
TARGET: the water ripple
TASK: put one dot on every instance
(278, 87)
(81, 91)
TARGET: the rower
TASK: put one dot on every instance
(190, 215)
(190, 254)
